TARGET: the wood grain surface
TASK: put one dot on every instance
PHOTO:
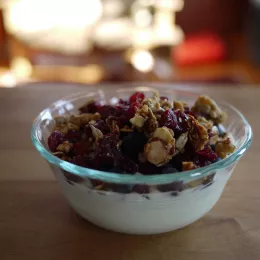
(37, 223)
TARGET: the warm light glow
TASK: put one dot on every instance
(21, 68)
(142, 60)
(7, 80)
(54, 24)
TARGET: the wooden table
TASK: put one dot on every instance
(37, 223)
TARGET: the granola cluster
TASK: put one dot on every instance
(146, 135)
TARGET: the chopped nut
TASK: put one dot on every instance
(181, 142)
(153, 104)
(224, 147)
(86, 118)
(208, 124)
(209, 107)
(165, 104)
(75, 119)
(92, 122)
(157, 152)
(137, 121)
(164, 134)
(72, 126)
(179, 105)
(63, 128)
(96, 132)
(65, 147)
(60, 120)
(198, 134)
(151, 125)
(186, 166)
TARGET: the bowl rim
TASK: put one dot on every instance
(138, 178)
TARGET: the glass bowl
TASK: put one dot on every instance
(139, 204)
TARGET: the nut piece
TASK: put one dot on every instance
(72, 126)
(65, 147)
(96, 132)
(86, 118)
(209, 107)
(75, 119)
(186, 166)
(60, 120)
(181, 142)
(224, 147)
(63, 128)
(208, 124)
(137, 121)
(160, 148)
(198, 134)
(157, 152)
(179, 105)
(164, 134)
(151, 125)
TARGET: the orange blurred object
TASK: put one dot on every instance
(198, 49)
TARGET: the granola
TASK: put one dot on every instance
(148, 135)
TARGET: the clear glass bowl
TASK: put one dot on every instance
(160, 203)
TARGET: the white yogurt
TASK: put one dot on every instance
(135, 214)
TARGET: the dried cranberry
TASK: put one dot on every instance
(175, 120)
(91, 107)
(123, 102)
(148, 169)
(174, 186)
(121, 188)
(168, 119)
(73, 136)
(141, 189)
(164, 98)
(136, 97)
(102, 126)
(106, 111)
(79, 160)
(81, 148)
(208, 154)
(55, 139)
(132, 109)
(105, 150)
(125, 165)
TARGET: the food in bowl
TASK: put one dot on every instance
(146, 164)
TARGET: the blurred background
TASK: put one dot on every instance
(94, 41)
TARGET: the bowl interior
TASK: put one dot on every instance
(236, 125)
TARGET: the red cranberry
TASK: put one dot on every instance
(208, 154)
(102, 126)
(132, 109)
(164, 98)
(125, 165)
(79, 160)
(106, 111)
(168, 119)
(92, 107)
(174, 186)
(55, 139)
(73, 136)
(136, 97)
(81, 148)
(141, 189)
